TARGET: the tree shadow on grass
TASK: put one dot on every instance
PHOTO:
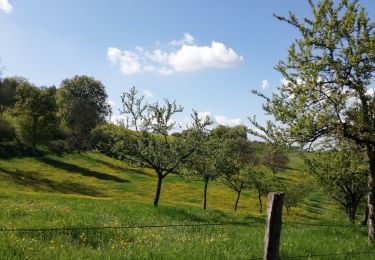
(80, 170)
(181, 214)
(107, 164)
(33, 180)
(118, 168)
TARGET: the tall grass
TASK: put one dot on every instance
(89, 189)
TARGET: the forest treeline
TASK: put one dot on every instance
(75, 117)
(58, 118)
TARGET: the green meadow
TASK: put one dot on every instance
(89, 189)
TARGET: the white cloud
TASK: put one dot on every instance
(188, 39)
(371, 92)
(193, 57)
(284, 81)
(165, 71)
(128, 61)
(6, 6)
(264, 84)
(118, 120)
(111, 103)
(148, 68)
(147, 93)
(203, 115)
(222, 120)
(186, 58)
(157, 56)
(139, 49)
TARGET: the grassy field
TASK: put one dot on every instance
(92, 190)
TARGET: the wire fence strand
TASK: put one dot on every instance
(329, 255)
(135, 226)
(127, 227)
(235, 223)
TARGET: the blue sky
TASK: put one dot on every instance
(206, 54)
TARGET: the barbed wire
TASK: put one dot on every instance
(248, 224)
(127, 227)
(135, 226)
(323, 225)
(320, 255)
(327, 255)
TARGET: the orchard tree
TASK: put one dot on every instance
(275, 159)
(259, 180)
(202, 164)
(82, 103)
(327, 77)
(341, 171)
(295, 193)
(153, 147)
(238, 181)
(235, 155)
(133, 106)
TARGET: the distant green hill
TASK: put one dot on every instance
(90, 189)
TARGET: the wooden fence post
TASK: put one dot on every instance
(273, 227)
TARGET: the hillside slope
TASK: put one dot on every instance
(92, 190)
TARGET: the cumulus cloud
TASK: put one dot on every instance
(203, 115)
(371, 92)
(264, 84)
(118, 120)
(187, 57)
(147, 93)
(231, 122)
(111, 103)
(126, 60)
(188, 39)
(193, 57)
(5, 6)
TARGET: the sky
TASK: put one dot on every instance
(205, 54)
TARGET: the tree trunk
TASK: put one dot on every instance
(351, 214)
(158, 189)
(205, 194)
(238, 198)
(371, 193)
(365, 217)
(260, 202)
(33, 141)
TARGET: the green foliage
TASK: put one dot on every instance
(276, 159)
(133, 106)
(341, 170)
(82, 104)
(153, 147)
(203, 163)
(7, 131)
(113, 140)
(59, 147)
(234, 155)
(8, 88)
(258, 178)
(35, 111)
(295, 193)
(327, 78)
(8, 144)
(327, 75)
